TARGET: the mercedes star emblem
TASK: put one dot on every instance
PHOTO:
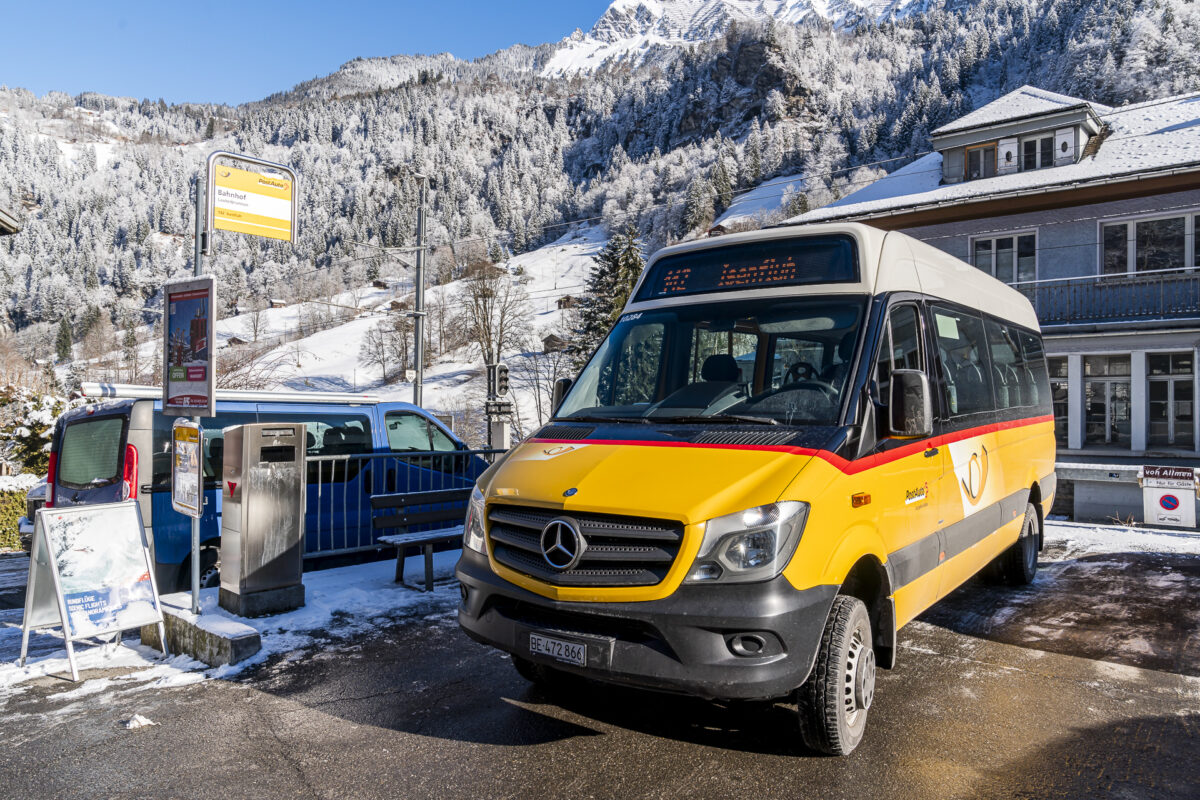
(562, 543)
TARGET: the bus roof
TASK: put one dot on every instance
(889, 261)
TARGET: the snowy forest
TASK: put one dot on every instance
(103, 185)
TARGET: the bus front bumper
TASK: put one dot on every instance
(717, 641)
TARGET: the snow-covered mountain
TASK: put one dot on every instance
(630, 29)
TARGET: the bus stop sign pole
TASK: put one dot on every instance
(197, 264)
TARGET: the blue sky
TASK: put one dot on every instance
(232, 52)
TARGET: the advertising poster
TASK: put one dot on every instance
(188, 348)
(252, 202)
(186, 469)
(90, 572)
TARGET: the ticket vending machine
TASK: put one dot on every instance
(262, 518)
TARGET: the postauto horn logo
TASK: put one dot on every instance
(977, 473)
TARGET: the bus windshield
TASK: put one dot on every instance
(768, 360)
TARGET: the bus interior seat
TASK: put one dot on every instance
(718, 376)
(310, 441)
(835, 374)
(355, 440)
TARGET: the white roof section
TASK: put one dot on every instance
(1028, 101)
(891, 261)
(1155, 137)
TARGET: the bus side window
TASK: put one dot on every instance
(899, 347)
(962, 347)
(1035, 369)
(1008, 367)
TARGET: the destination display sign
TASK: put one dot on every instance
(253, 202)
(754, 265)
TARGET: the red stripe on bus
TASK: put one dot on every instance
(846, 466)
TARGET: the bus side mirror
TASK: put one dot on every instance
(561, 387)
(910, 411)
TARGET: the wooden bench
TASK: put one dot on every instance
(395, 511)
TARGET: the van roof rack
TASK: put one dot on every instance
(132, 391)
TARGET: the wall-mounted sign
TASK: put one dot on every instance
(188, 352)
(187, 474)
(256, 197)
(90, 573)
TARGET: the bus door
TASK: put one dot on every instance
(338, 508)
(911, 483)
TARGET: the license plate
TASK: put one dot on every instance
(557, 649)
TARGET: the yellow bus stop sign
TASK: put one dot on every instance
(254, 203)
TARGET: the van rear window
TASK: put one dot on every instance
(91, 452)
(754, 265)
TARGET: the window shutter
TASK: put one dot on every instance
(1007, 156)
(1064, 137)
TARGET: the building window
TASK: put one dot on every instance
(1171, 393)
(981, 161)
(1106, 396)
(1012, 259)
(1037, 153)
(1059, 393)
(1146, 245)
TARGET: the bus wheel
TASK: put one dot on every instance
(210, 568)
(1020, 562)
(833, 702)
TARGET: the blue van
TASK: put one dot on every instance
(121, 448)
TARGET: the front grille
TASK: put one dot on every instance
(621, 551)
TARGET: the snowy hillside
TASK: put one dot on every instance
(630, 29)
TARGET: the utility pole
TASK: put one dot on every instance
(419, 297)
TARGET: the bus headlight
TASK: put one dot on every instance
(473, 526)
(750, 545)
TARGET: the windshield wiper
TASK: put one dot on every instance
(721, 418)
(641, 420)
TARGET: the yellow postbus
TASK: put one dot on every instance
(791, 443)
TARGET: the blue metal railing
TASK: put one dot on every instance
(1131, 297)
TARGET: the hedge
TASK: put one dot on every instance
(12, 508)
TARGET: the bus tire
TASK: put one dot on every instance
(1019, 563)
(832, 704)
(210, 570)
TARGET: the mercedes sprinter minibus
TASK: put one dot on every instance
(791, 443)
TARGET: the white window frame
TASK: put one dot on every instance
(1014, 234)
(1130, 221)
(1038, 137)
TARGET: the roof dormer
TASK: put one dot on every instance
(1026, 129)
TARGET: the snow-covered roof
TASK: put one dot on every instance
(1028, 101)
(1145, 138)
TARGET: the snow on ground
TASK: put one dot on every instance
(338, 603)
(1089, 538)
(762, 202)
(18, 483)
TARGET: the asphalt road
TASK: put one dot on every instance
(418, 710)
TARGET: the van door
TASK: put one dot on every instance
(90, 460)
(338, 503)
(910, 483)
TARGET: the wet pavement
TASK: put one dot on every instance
(1084, 685)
